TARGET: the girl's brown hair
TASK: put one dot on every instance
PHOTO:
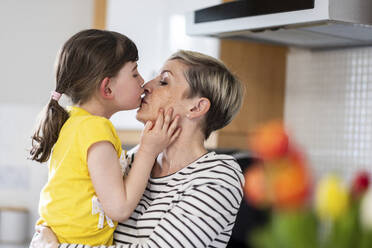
(84, 61)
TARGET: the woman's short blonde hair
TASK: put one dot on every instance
(210, 78)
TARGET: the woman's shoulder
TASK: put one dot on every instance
(213, 161)
(219, 169)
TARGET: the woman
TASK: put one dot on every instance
(193, 195)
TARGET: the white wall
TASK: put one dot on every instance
(157, 28)
(328, 108)
(31, 34)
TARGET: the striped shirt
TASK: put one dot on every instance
(194, 207)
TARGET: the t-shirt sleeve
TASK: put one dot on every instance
(95, 130)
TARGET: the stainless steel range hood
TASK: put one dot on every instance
(303, 23)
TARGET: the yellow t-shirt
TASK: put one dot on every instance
(66, 200)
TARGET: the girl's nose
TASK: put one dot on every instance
(141, 80)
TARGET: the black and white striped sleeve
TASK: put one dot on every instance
(203, 214)
(199, 218)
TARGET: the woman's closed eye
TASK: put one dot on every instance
(163, 83)
(163, 77)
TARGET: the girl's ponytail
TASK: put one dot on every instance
(47, 132)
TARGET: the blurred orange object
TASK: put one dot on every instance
(270, 141)
(255, 188)
(291, 183)
(283, 179)
(287, 184)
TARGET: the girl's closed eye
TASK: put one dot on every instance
(135, 73)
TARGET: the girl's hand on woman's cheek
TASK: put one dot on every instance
(44, 238)
(159, 135)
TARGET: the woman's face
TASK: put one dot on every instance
(169, 89)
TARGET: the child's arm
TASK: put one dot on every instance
(120, 197)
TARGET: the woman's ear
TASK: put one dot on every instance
(105, 89)
(199, 108)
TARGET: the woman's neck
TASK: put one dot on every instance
(185, 150)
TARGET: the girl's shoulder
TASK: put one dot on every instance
(81, 118)
(91, 122)
(89, 129)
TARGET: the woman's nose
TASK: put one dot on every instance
(148, 86)
(146, 90)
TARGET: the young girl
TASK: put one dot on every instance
(97, 70)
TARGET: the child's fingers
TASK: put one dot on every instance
(173, 125)
(168, 118)
(175, 135)
(148, 126)
(159, 120)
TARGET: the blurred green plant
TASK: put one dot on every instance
(288, 229)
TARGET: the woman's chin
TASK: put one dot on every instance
(141, 117)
